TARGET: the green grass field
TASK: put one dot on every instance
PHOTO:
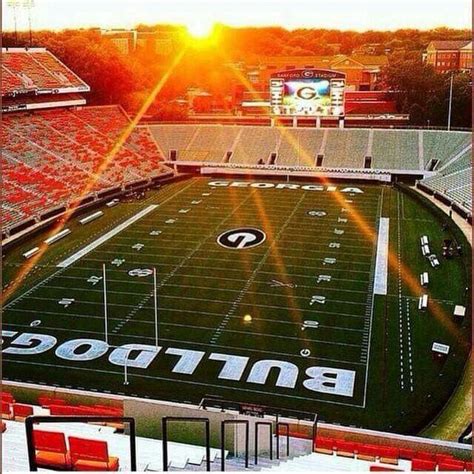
(205, 290)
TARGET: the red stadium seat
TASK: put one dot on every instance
(20, 411)
(406, 453)
(91, 455)
(367, 452)
(46, 401)
(6, 411)
(7, 397)
(377, 468)
(345, 448)
(426, 456)
(324, 445)
(452, 465)
(388, 455)
(423, 465)
(51, 450)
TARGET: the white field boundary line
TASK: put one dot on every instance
(381, 264)
(145, 339)
(166, 379)
(93, 245)
(369, 345)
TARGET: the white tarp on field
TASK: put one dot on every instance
(381, 263)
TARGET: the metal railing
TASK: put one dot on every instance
(277, 428)
(187, 419)
(224, 423)
(270, 433)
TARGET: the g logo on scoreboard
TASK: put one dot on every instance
(243, 238)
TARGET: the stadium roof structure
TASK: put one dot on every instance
(37, 71)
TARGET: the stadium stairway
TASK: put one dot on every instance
(325, 463)
(149, 451)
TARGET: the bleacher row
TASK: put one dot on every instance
(51, 157)
(35, 69)
(420, 460)
(348, 148)
(454, 181)
(104, 446)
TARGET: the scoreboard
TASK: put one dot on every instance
(313, 92)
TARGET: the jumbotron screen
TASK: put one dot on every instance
(307, 92)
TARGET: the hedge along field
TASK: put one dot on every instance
(285, 317)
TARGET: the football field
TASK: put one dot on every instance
(293, 295)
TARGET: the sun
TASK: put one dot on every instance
(200, 29)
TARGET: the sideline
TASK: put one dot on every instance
(457, 413)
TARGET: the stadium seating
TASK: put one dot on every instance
(346, 150)
(91, 455)
(51, 450)
(33, 69)
(454, 181)
(6, 411)
(52, 157)
(7, 397)
(341, 149)
(442, 145)
(21, 411)
(395, 150)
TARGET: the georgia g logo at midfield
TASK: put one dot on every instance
(243, 238)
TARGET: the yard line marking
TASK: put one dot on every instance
(400, 300)
(57, 272)
(246, 287)
(93, 245)
(88, 248)
(230, 257)
(112, 292)
(186, 258)
(370, 307)
(220, 278)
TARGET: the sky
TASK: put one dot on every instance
(338, 14)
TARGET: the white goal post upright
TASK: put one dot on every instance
(105, 305)
(155, 300)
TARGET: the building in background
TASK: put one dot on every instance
(447, 56)
(465, 58)
(128, 41)
(362, 71)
